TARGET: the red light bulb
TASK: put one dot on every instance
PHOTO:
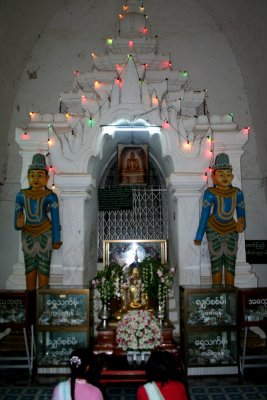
(166, 124)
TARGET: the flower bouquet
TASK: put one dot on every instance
(157, 279)
(138, 330)
(106, 282)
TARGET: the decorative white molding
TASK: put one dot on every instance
(163, 100)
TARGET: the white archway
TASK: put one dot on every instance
(176, 131)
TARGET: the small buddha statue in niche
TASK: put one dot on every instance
(133, 172)
(133, 163)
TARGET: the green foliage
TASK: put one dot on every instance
(157, 277)
(104, 281)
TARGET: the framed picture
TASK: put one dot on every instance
(127, 252)
(132, 164)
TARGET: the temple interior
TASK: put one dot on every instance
(147, 122)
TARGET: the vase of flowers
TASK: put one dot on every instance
(138, 331)
(105, 282)
(104, 315)
(158, 280)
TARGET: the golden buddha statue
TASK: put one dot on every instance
(133, 295)
(137, 295)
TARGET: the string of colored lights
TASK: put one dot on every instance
(155, 100)
(167, 124)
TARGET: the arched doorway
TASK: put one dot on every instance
(144, 216)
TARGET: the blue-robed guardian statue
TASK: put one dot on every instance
(40, 233)
(220, 203)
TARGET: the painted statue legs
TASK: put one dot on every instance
(31, 280)
(229, 278)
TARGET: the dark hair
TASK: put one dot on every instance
(161, 367)
(81, 359)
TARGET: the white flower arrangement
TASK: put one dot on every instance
(158, 279)
(107, 282)
(138, 330)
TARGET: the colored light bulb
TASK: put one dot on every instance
(166, 124)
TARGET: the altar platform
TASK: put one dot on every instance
(116, 369)
(114, 365)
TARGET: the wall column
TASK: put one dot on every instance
(185, 189)
(75, 192)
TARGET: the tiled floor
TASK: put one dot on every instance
(249, 387)
(16, 385)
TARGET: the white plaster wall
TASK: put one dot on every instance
(196, 43)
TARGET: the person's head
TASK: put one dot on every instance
(81, 360)
(37, 172)
(161, 367)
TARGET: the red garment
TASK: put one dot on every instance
(171, 390)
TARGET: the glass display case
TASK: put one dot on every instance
(253, 306)
(17, 308)
(63, 323)
(17, 316)
(253, 313)
(208, 324)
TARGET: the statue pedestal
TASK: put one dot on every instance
(168, 342)
(134, 177)
(105, 342)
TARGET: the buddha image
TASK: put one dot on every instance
(133, 165)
